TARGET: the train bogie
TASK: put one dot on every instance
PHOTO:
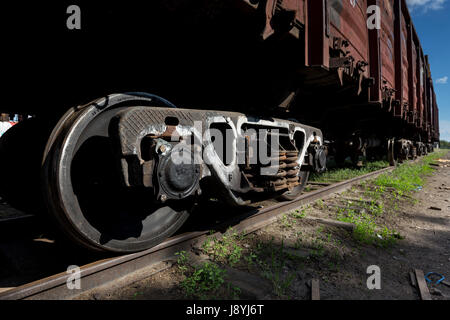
(123, 172)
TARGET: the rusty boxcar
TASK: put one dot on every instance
(284, 74)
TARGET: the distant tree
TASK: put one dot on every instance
(445, 144)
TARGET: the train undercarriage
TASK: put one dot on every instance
(122, 173)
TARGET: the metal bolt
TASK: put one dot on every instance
(162, 148)
(163, 198)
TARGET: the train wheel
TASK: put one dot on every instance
(295, 193)
(391, 152)
(84, 191)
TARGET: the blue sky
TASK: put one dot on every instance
(432, 21)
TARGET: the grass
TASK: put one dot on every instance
(226, 249)
(206, 281)
(286, 221)
(298, 214)
(268, 258)
(408, 177)
(320, 204)
(405, 178)
(341, 174)
(182, 261)
(399, 183)
(273, 267)
(272, 261)
(367, 230)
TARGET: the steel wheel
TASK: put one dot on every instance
(391, 152)
(84, 192)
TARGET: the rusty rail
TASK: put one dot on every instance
(103, 271)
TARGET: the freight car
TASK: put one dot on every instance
(252, 85)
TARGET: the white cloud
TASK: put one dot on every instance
(425, 4)
(442, 80)
(444, 129)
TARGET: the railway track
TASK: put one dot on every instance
(100, 272)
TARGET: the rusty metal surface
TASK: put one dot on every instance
(348, 20)
(387, 43)
(404, 36)
(401, 71)
(398, 50)
(317, 34)
(103, 271)
(412, 80)
(282, 14)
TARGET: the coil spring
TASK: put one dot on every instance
(288, 171)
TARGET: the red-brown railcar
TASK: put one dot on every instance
(322, 62)
(385, 40)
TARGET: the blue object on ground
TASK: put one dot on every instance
(442, 278)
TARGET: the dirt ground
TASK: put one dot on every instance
(279, 261)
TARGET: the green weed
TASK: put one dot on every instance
(340, 174)
(206, 280)
(182, 261)
(225, 249)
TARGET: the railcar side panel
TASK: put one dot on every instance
(405, 64)
(387, 44)
(348, 20)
